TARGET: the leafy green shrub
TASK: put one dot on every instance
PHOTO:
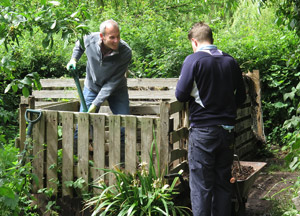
(15, 183)
(258, 43)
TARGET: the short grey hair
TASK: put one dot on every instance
(104, 24)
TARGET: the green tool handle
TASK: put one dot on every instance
(31, 122)
(76, 79)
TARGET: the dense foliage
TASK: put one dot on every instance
(37, 37)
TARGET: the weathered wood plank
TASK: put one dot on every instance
(243, 112)
(152, 82)
(114, 144)
(67, 151)
(242, 125)
(178, 153)
(130, 143)
(38, 152)
(52, 147)
(146, 139)
(83, 147)
(72, 106)
(176, 106)
(67, 94)
(98, 122)
(146, 95)
(164, 148)
(247, 135)
(131, 82)
(73, 94)
(179, 134)
(182, 166)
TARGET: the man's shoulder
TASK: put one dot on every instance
(124, 48)
(93, 36)
(124, 45)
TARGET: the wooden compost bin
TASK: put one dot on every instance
(155, 115)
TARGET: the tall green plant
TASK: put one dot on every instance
(142, 193)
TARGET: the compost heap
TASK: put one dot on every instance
(241, 172)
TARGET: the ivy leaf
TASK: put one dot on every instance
(14, 87)
(280, 105)
(46, 42)
(26, 81)
(8, 87)
(25, 92)
(53, 25)
(7, 192)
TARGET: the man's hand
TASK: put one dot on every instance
(71, 64)
(92, 109)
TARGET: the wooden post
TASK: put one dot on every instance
(38, 142)
(130, 143)
(98, 122)
(114, 143)
(83, 147)
(146, 139)
(52, 148)
(164, 149)
(67, 151)
(259, 130)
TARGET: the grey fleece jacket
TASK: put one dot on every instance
(104, 75)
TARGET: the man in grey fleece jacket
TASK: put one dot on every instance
(108, 58)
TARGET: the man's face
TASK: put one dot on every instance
(111, 38)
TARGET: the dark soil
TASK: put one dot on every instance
(241, 172)
(270, 191)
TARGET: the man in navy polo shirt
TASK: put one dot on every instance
(211, 81)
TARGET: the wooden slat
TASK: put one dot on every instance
(83, 147)
(67, 94)
(72, 106)
(244, 112)
(130, 143)
(98, 122)
(152, 82)
(245, 124)
(146, 139)
(58, 83)
(67, 149)
(243, 138)
(52, 147)
(182, 166)
(177, 135)
(131, 82)
(176, 106)
(164, 148)
(114, 143)
(178, 153)
(146, 95)
(73, 94)
(38, 153)
(144, 110)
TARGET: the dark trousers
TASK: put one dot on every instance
(210, 159)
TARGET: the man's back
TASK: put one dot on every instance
(213, 78)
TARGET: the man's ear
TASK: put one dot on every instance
(194, 43)
(101, 36)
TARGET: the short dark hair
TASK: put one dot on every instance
(201, 32)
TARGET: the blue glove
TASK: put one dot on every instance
(71, 64)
